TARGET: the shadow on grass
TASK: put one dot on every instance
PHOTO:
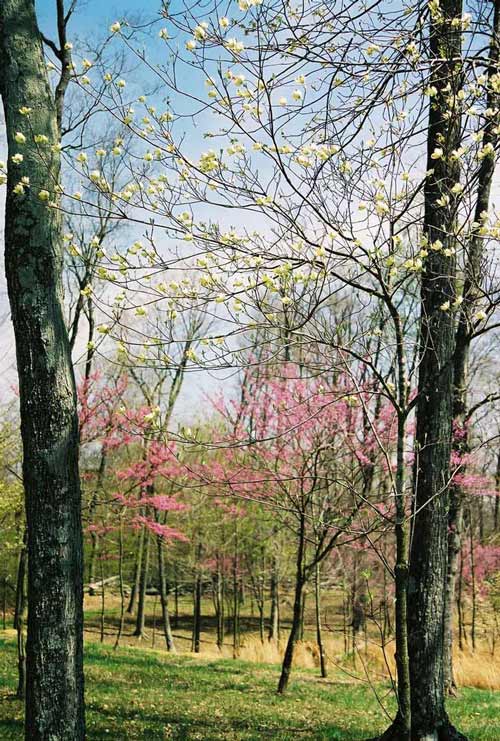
(181, 729)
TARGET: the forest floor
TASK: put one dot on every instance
(143, 693)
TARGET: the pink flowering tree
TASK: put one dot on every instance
(138, 496)
(300, 447)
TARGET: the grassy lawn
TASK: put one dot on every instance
(136, 693)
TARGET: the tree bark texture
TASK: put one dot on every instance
(428, 555)
(471, 294)
(49, 422)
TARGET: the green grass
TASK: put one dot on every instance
(136, 693)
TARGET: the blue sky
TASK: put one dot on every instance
(96, 14)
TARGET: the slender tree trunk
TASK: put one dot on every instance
(473, 581)
(176, 599)
(137, 571)
(403, 718)
(236, 607)
(103, 600)
(319, 635)
(480, 507)
(297, 611)
(219, 598)
(260, 607)
(21, 580)
(21, 651)
(140, 621)
(460, 610)
(94, 548)
(4, 603)
(120, 582)
(196, 613)
(20, 621)
(497, 495)
(302, 615)
(274, 594)
(140, 566)
(455, 519)
(345, 622)
(49, 421)
(167, 630)
(354, 590)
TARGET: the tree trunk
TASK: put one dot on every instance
(260, 607)
(428, 555)
(21, 653)
(219, 604)
(120, 583)
(137, 572)
(21, 580)
(297, 611)
(176, 599)
(473, 581)
(302, 615)
(49, 421)
(167, 630)
(236, 607)
(143, 583)
(94, 548)
(273, 618)
(403, 718)
(195, 647)
(460, 609)
(19, 621)
(103, 600)
(455, 520)
(4, 603)
(319, 636)
(471, 294)
(497, 495)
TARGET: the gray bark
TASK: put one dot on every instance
(428, 555)
(49, 422)
(471, 293)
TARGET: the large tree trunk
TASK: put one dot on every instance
(49, 422)
(428, 555)
(471, 294)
